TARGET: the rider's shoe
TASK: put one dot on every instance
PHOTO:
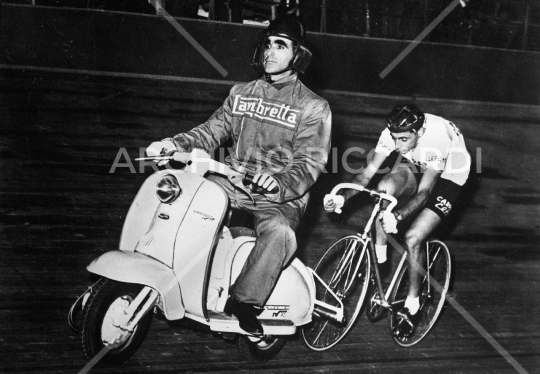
(405, 323)
(246, 315)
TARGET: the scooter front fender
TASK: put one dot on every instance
(134, 267)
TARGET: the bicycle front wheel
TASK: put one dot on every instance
(433, 289)
(345, 267)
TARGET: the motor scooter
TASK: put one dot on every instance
(178, 258)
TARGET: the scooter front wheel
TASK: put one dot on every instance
(109, 300)
(260, 350)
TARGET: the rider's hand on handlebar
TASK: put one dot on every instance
(388, 221)
(333, 203)
(161, 148)
(265, 181)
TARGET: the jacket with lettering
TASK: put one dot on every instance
(281, 128)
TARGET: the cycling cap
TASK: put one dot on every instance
(405, 118)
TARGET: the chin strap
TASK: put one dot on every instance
(268, 77)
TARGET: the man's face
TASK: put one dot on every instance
(278, 53)
(405, 141)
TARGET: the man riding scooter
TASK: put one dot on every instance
(280, 132)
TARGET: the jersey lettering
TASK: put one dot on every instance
(443, 205)
(275, 112)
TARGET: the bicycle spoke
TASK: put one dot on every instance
(345, 268)
(434, 286)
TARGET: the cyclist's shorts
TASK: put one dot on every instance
(443, 197)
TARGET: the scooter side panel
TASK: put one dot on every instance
(222, 267)
(159, 241)
(142, 212)
(132, 267)
(293, 296)
(194, 241)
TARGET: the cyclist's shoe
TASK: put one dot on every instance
(405, 323)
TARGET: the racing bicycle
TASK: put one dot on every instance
(349, 267)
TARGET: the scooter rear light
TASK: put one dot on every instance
(168, 189)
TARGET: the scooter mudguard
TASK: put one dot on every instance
(133, 267)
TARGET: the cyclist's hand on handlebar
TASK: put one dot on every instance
(333, 203)
(265, 181)
(388, 221)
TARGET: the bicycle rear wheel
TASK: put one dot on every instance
(345, 267)
(432, 292)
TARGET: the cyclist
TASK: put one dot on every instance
(426, 188)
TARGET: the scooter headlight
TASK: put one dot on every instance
(168, 189)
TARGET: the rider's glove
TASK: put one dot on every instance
(329, 200)
(389, 222)
(160, 148)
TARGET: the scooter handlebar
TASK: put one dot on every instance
(199, 155)
(183, 157)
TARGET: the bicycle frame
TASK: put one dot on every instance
(366, 239)
(349, 276)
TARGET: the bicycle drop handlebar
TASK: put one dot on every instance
(357, 187)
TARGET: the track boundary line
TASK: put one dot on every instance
(223, 82)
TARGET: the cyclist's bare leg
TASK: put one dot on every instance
(415, 237)
(399, 183)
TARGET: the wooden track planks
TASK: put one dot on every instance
(60, 208)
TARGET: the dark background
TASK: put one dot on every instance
(79, 86)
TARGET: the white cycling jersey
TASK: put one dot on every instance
(441, 148)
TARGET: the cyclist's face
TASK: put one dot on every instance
(405, 141)
(278, 53)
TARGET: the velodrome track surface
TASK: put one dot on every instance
(60, 207)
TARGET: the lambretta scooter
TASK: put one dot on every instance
(178, 258)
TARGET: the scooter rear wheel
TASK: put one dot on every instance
(108, 299)
(260, 351)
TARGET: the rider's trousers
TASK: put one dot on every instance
(274, 247)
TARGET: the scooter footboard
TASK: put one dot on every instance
(133, 267)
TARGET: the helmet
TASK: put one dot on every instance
(289, 28)
(405, 118)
